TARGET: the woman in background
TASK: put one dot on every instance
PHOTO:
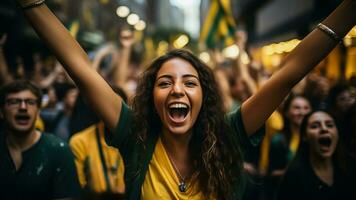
(284, 145)
(317, 171)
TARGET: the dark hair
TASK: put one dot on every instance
(215, 153)
(19, 86)
(63, 89)
(335, 91)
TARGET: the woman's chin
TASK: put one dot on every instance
(179, 131)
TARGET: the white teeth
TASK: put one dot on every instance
(178, 105)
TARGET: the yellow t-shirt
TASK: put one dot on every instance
(161, 180)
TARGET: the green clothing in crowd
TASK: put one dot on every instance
(47, 171)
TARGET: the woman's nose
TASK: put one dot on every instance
(177, 89)
(324, 127)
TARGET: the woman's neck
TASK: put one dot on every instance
(323, 168)
(177, 148)
(320, 163)
(176, 145)
(294, 128)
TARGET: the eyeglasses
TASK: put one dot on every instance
(15, 102)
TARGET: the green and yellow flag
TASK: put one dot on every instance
(74, 28)
(219, 25)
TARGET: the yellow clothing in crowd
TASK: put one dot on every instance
(99, 171)
(273, 125)
(39, 124)
(161, 180)
(294, 142)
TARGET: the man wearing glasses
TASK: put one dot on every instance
(33, 165)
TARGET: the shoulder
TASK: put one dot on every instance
(51, 140)
(54, 145)
(83, 136)
(123, 128)
(235, 122)
(83, 141)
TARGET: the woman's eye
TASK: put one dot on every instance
(330, 125)
(164, 84)
(190, 84)
(313, 126)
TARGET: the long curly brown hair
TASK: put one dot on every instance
(215, 152)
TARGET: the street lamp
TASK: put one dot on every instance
(122, 11)
(133, 19)
(140, 26)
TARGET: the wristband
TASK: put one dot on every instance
(329, 32)
(27, 5)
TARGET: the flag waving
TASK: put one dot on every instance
(219, 25)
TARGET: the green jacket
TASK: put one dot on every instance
(136, 164)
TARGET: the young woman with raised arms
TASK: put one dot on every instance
(176, 141)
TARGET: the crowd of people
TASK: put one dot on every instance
(100, 127)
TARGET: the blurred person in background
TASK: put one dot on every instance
(317, 89)
(50, 106)
(341, 103)
(100, 167)
(56, 119)
(222, 80)
(284, 144)
(34, 165)
(318, 170)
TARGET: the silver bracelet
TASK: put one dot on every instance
(32, 4)
(329, 32)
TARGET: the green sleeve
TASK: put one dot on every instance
(234, 119)
(122, 129)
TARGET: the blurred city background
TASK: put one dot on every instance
(274, 27)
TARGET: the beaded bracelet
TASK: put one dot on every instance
(329, 32)
(32, 4)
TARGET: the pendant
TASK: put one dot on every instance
(182, 187)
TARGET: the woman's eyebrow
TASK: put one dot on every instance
(315, 122)
(190, 76)
(184, 76)
(164, 76)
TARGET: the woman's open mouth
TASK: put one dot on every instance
(325, 142)
(178, 112)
